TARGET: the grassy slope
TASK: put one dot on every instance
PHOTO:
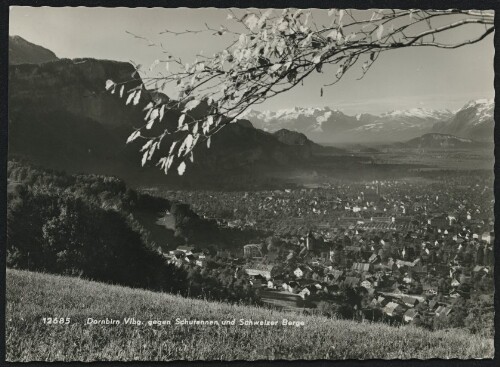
(31, 296)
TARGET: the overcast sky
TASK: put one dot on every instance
(401, 79)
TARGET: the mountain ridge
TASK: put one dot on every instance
(64, 104)
(475, 120)
(327, 125)
(22, 51)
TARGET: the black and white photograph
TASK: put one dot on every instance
(221, 184)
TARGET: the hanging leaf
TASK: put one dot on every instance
(137, 97)
(321, 92)
(181, 169)
(170, 160)
(335, 35)
(147, 145)
(154, 64)
(162, 162)
(190, 105)
(154, 113)
(283, 26)
(144, 158)
(152, 150)
(317, 58)
(242, 39)
(181, 121)
(162, 112)
(205, 127)
(380, 31)
(109, 84)
(275, 67)
(208, 142)
(121, 91)
(200, 67)
(307, 41)
(189, 141)
(262, 21)
(341, 15)
(149, 125)
(251, 21)
(134, 136)
(130, 97)
(172, 147)
(350, 37)
(148, 106)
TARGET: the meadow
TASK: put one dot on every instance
(31, 297)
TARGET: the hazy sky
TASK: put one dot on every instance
(401, 79)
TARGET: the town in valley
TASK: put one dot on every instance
(406, 251)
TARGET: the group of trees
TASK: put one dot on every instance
(220, 280)
(53, 231)
(475, 314)
(84, 226)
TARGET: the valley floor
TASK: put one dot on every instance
(31, 297)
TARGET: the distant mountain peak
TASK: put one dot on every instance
(22, 51)
(329, 125)
(418, 112)
(474, 121)
(479, 102)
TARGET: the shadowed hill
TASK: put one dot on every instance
(440, 141)
(60, 116)
(24, 52)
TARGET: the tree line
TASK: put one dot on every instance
(83, 225)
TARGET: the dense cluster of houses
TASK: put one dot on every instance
(410, 249)
(378, 205)
(396, 286)
(431, 263)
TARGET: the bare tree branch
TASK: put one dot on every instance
(273, 51)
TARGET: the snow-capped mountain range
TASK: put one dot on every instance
(326, 125)
(473, 121)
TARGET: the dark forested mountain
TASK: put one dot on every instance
(60, 116)
(298, 139)
(24, 52)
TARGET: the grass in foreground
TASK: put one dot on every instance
(32, 296)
